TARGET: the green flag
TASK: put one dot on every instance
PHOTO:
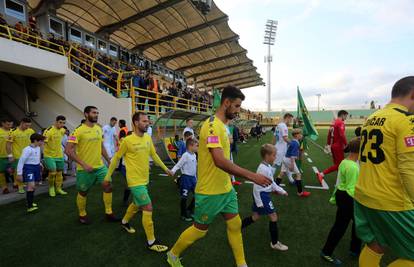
(303, 114)
(217, 99)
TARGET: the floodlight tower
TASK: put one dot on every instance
(269, 40)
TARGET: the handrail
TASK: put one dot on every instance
(30, 39)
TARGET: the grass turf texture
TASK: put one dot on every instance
(53, 236)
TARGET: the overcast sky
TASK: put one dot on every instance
(349, 51)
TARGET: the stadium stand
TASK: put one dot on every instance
(169, 67)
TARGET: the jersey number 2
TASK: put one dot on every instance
(375, 146)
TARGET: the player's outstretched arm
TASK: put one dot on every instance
(226, 165)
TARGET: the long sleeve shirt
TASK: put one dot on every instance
(336, 134)
(187, 164)
(266, 170)
(30, 155)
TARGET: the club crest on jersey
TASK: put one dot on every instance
(213, 139)
(72, 138)
(409, 141)
(204, 217)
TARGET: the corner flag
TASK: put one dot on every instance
(303, 114)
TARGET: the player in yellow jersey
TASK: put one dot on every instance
(19, 138)
(214, 193)
(136, 150)
(384, 194)
(6, 125)
(53, 155)
(85, 147)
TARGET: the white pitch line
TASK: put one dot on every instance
(162, 174)
(306, 154)
(315, 169)
(325, 184)
(309, 160)
(248, 182)
(315, 187)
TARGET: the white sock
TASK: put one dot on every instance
(124, 222)
(150, 242)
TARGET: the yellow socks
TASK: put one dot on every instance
(130, 212)
(235, 239)
(3, 183)
(107, 199)
(402, 263)
(186, 239)
(81, 202)
(369, 258)
(148, 225)
(51, 179)
(59, 180)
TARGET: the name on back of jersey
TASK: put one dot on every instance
(375, 121)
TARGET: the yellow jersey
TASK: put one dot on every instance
(136, 151)
(19, 139)
(88, 142)
(211, 179)
(53, 142)
(386, 134)
(4, 136)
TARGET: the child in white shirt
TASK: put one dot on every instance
(263, 204)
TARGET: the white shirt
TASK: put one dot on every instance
(188, 129)
(187, 164)
(109, 135)
(280, 132)
(266, 170)
(30, 155)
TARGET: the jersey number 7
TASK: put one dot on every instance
(379, 155)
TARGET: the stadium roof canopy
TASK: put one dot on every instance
(173, 32)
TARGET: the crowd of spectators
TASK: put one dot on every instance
(108, 72)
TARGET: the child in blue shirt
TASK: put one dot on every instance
(289, 162)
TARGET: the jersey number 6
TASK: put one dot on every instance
(379, 155)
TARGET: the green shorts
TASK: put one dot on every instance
(140, 195)
(207, 207)
(391, 229)
(54, 164)
(85, 180)
(4, 162)
(13, 164)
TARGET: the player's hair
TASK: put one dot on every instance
(232, 93)
(36, 137)
(83, 121)
(60, 118)
(4, 120)
(342, 112)
(296, 131)
(129, 132)
(287, 115)
(188, 134)
(88, 109)
(266, 149)
(358, 131)
(354, 145)
(26, 120)
(137, 116)
(190, 142)
(114, 119)
(403, 87)
(188, 119)
(122, 123)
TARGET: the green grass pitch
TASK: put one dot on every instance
(53, 237)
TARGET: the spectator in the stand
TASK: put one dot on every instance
(3, 22)
(152, 92)
(143, 94)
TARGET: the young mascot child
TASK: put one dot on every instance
(263, 204)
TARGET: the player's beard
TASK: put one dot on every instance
(93, 119)
(143, 129)
(230, 115)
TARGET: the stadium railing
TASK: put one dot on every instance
(114, 81)
(30, 39)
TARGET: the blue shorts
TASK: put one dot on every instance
(187, 184)
(31, 173)
(268, 207)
